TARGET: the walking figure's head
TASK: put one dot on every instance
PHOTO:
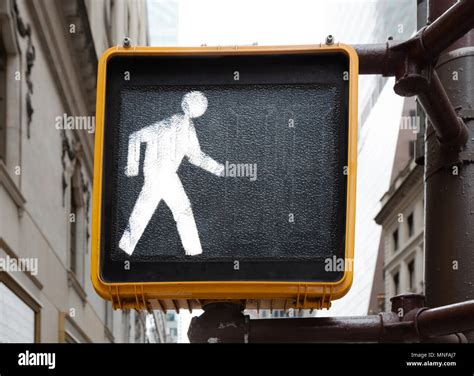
(194, 104)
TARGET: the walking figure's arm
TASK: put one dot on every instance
(200, 159)
(133, 159)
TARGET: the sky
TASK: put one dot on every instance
(242, 22)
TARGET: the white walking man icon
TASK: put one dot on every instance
(167, 143)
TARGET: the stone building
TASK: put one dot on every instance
(48, 61)
(400, 260)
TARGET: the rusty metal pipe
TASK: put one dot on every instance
(450, 338)
(444, 320)
(429, 325)
(225, 323)
(378, 58)
(447, 28)
(423, 48)
(450, 129)
(314, 330)
(381, 59)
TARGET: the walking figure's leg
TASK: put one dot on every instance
(178, 202)
(143, 210)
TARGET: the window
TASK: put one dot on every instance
(395, 241)
(17, 317)
(410, 225)
(170, 317)
(3, 98)
(73, 233)
(396, 283)
(19, 313)
(381, 302)
(174, 332)
(76, 228)
(411, 276)
(412, 149)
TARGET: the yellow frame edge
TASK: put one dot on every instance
(225, 290)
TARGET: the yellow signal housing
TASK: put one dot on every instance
(251, 294)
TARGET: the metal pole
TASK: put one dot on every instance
(449, 177)
(357, 329)
(445, 29)
(225, 323)
(446, 320)
(379, 58)
(419, 152)
(448, 24)
(436, 103)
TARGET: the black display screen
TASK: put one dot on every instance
(228, 168)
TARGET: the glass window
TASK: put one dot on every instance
(170, 317)
(73, 216)
(17, 319)
(396, 283)
(395, 241)
(76, 227)
(410, 225)
(411, 275)
(412, 147)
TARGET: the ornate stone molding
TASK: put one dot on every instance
(409, 180)
(68, 152)
(82, 47)
(51, 26)
(73, 152)
(24, 30)
(87, 194)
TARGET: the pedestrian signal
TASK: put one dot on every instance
(225, 174)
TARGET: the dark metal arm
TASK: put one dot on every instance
(224, 322)
(411, 62)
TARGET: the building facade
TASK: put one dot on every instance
(402, 221)
(401, 257)
(48, 61)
